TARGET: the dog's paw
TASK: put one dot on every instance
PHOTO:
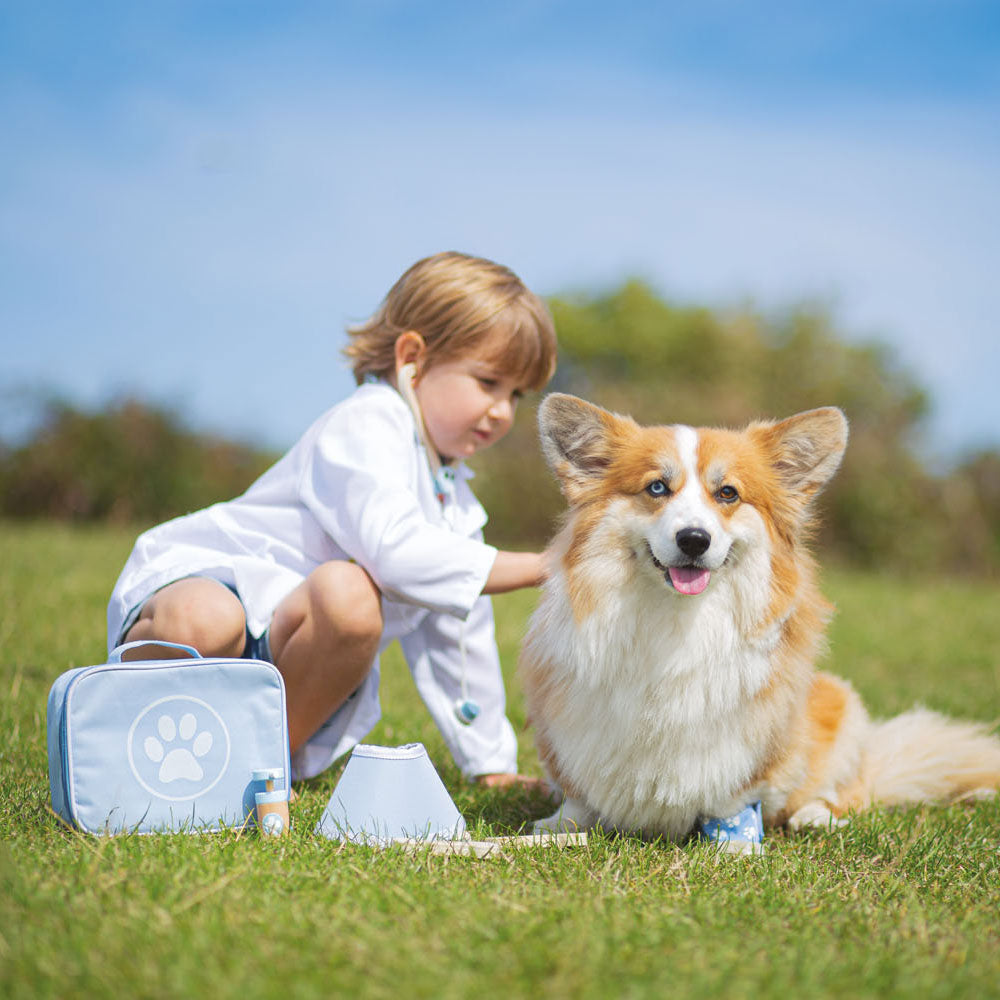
(571, 817)
(816, 815)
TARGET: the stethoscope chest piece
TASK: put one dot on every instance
(466, 711)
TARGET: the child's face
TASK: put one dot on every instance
(467, 404)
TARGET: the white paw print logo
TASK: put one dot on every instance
(180, 761)
(178, 747)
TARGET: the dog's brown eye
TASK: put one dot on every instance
(657, 488)
(727, 494)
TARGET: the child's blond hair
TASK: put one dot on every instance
(457, 303)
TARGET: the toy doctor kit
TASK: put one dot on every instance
(189, 743)
(197, 744)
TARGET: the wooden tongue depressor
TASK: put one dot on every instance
(492, 847)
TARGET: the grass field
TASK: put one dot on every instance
(901, 904)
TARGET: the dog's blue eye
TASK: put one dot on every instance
(727, 494)
(657, 488)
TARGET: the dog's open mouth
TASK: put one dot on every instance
(689, 580)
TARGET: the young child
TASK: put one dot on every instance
(366, 531)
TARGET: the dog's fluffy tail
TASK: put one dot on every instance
(922, 756)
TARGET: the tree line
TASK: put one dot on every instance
(630, 351)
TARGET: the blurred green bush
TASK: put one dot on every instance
(127, 463)
(627, 350)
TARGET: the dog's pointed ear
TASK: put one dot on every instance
(575, 441)
(807, 448)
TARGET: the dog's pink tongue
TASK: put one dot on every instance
(689, 579)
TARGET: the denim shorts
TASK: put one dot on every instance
(255, 647)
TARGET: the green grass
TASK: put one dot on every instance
(898, 904)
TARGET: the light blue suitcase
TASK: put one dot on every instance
(160, 745)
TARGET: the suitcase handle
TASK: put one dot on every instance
(116, 653)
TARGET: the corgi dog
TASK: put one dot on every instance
(669, 666)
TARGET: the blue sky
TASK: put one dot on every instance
(196, 198)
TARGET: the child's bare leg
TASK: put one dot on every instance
(196, 611)
(324, 636)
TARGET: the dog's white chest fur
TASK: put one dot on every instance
(653, 714)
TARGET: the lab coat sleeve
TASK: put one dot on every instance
(360, 482)
(433, 652)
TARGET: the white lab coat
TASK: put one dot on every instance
(356, 486)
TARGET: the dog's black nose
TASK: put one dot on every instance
(693, 541)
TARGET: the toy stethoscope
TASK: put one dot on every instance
(465, 709)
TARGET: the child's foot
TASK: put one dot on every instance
(739, 834)
(536, 786)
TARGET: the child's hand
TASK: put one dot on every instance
(537, 785)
